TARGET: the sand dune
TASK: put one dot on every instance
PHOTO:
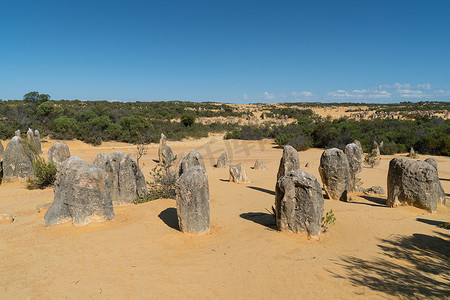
(372, 252)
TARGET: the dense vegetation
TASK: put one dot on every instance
(142, 122)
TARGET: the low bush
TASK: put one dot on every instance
(44, 174)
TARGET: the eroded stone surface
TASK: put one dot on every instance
(259, 165)
(192, 197)
(81, 195)
(58, 153)
(125, 179)
(335, 174)
(355, 163)
(238, 174)
(411, 182)
(222, 161)
(18, 161)
(299, 203)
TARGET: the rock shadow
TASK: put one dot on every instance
(412, 267)
(377, 200)
(262, 190)
(264, 219)
(444, 179)
(432, 222)
(170, 218)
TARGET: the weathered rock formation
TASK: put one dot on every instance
(355, 163)
(80, 195)
(18, 161)
(289, 161)
(335, 174)
(259, 165)
(193, 159)
(412, 154)
(432, 161)
(222, 161)
(37, 141)
(58, 153)
(375, 190)
(299, 203)
(17, 133)
(238, 174)
(165, 154)
(34, 139)
(192, 197)
(124, 179)
(2, 151)
(411, 182)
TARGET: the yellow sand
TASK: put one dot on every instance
(142, 254)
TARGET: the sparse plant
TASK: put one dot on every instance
(141, 150)
(44, 174)
(445, 225)
(328, 220)
(163, 185)
(371, 159)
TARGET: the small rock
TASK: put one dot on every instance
(222, 161)
(259, 165)
(412, 154)
(375, 190)
(238, 174)
(6, 218)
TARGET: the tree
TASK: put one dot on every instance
(31, 96)
(188, 119)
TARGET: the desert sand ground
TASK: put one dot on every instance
(372, 252)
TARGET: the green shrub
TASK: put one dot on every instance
(328, 220)
(163, 185)
(187, 119)
(44, 174)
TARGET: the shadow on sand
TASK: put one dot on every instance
(264, 219)
(378, 200)
(412, 267)
(262, 190)
(431, 222)
(170, 218)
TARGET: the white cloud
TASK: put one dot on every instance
(302, 94)
(424, 86)
(269, 96)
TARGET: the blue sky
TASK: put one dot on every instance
(229, 51)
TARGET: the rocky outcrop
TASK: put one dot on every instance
(192, 198)
(80, 195)
(17, 133)
(432, 161)
(222, 161)
(124, 179)
(2, 151)
(411, 182)
(18, 161)
(193, 159)
(412, 154)
(289, 161)
(165, 154)
(259, 165)
(355, 162)
(238, 174)
(58, 153)
(335, 174)
(299, 203)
